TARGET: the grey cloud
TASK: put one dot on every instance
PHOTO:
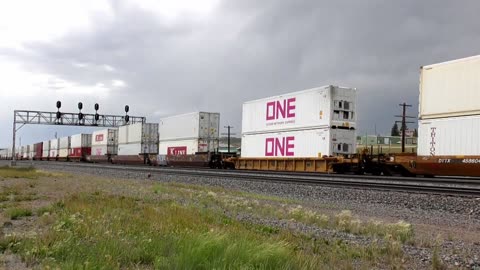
(252, 49)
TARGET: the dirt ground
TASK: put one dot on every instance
(34, 194)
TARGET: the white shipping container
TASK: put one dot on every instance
(64, 146)
(81, 141)
(105, 142)
(190, 126)
(456, 136)
(187, 147)
(320, 107)
(138, 139)
(31, 152)
(53, 148)
(137, 149)
(46, 149)
(64, 143)
(300, 143)
(450, 89)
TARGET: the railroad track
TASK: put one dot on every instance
(442, 186)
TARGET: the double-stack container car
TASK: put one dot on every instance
(449, 118)
(38, 151)
(80, 146)
(53, 154)
(189, 139)
(137, 143)
(64, 148)
(104, 145)
(308, 127)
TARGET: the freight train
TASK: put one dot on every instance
(310, 131)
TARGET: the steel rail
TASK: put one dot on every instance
(417, 187)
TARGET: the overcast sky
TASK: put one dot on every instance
(167, 57)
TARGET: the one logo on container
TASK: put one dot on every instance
(99, 138)
(280, 110)
(280, 147)
(177, 151)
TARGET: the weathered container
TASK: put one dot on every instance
(450, 89)
(54, 148)
(455, 136)
(137, 139)
(196, 125)
(64, 147)
(300, 143)
(327, 106)
(187, 147)
(38, 151)
(80, 146)
(105, 142)
(31, 151)
(46, 150)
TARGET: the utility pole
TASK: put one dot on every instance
(404, 122)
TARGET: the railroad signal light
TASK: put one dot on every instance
(97, 116)
(127, 118)
(80, 114)
(96, 106)
(59, 105)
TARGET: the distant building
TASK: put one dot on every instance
(386, 144)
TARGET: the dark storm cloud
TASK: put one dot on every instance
(252, 49)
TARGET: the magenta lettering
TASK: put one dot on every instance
(269, 147)
(291, 107)
(281, 109)
(271, 110)
(284, 146)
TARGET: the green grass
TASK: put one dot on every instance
(99, 231)
(16, 213)
(20, 172)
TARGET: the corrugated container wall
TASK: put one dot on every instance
(46, 149)
(105, 142)
(64, 147)
(31, 152)
(300, 143)
(320, 107)
(450, 89)
(188, 126)
(187, 147)
(80, 145)
(135, 139)
(38, 150)
(54, 148)
(458, 136)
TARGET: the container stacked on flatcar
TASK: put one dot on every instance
(53, 155)
(80, 146)
(38, 152)
(313, 124)
(189, 139)
(64, 147)
(137, 143)
(104, 145)
(449, 118)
